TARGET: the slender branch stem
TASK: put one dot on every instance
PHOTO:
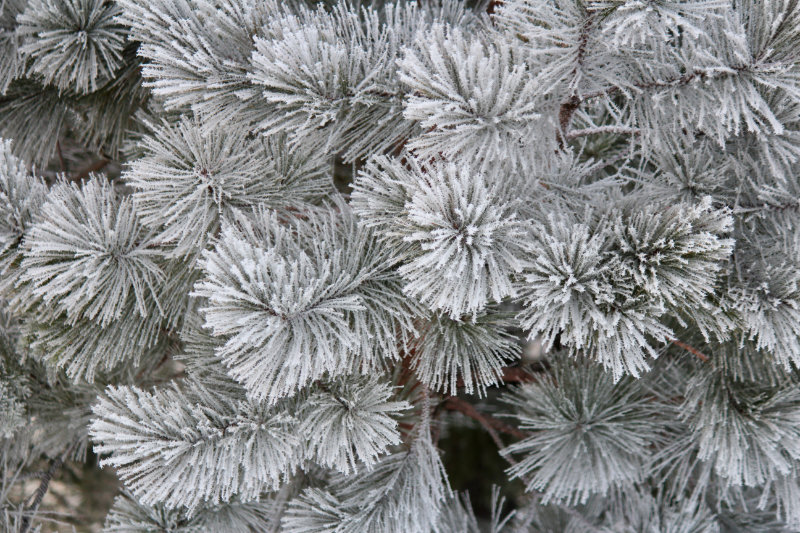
(658, 84)
(324, 388)
(40, 492)
(514, 374)
(622, 130)
(565, 113)
(94, 167)
(511, 374)
(493, 5)
(489, 423)
(677, 81)
(471, 412)
(568, 107)
(749, 208)
(691, 349)
(61, 157)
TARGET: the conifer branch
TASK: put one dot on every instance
(581, 171)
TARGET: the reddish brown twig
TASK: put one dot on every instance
(94, 167)
(489, 423)
(511, 374)
(565, 113)
(38, 496)
(61, 157)
(572, 104)
(514, 374)
(620, 130)
(691, 349)
(493, 5)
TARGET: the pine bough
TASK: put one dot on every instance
(252, 252)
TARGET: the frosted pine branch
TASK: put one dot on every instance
(262, 256)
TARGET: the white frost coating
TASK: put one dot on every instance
(475, 99)
(88, 252)
(470, 353)
(294, 303)
(74, 44)
(21, 197)
(190, 175)
(186, 448)
(466, 242)
(323, 228)
(350, 424)
(589, 434)
(378, 499)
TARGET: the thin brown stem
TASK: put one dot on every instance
(493, 5)
(514, 374)
(568, 107)
(61, 157)
(41, 490)
(621, 130)
(691, 349)
(94, 167)
(489, 423)
(511, 374)
(677, 81)
(474, 414)
(565, 113)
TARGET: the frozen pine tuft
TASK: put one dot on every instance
(350, 423)
(72, 44)
(589, 434)
(89, 252)
(169, 439)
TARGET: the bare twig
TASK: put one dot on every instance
(515, 374)
(493, 5)
(489, 423)
(568, 107)
(41, 490)
(94, 167)
(677, 81)
(471, 412)
(691, 349)
(621, 130)
(511, 374)
(565, 113)
(61, 157)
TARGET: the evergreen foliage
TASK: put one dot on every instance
(265, 260)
